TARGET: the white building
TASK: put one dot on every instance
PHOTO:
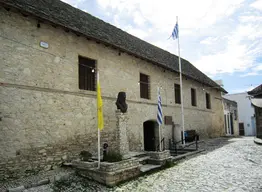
(230, 117)
(246, 113)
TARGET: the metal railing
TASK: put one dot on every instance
(173, 145)
(162, 144)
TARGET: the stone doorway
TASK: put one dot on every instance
(231, 124)
(150, 135)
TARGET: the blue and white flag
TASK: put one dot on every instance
(159, 109)
(175, 32)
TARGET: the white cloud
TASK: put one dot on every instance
(74, 3)
(222, 50)
(162, 14)
(257, 4)
(255, 71)
(138, 33)
(209, 40)
(251, 18)
(139, 19)
(116, 21)
(249, 74)
(216, 36)
(258, 68)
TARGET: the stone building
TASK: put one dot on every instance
(230, 117)
(50, 55)
(256, 100)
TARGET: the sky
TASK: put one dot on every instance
(222, 38)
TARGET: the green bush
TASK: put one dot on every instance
(112, 156)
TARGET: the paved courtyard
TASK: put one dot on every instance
(236, 166)
(228, 165)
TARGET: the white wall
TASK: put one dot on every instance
(245, 111)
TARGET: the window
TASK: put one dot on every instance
(86, 72)
(144, 86)
(177, 94)
(193, 97)
(208, 102)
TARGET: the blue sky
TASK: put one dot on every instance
(221, 38)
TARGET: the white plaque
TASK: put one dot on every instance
(44, 44)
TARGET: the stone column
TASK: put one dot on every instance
(121, 126)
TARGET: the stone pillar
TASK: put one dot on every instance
(121, 126)
(177, 132)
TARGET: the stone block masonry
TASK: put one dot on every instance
(159, 158)
(109, 174)
(121, 129)
(44, 114)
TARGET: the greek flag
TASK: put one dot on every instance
(175, 32)
(159, 110)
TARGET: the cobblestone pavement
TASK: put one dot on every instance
(228, 164)
(59, 172)
(236, 166)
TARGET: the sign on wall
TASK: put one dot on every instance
(44, 44)
(168, 120)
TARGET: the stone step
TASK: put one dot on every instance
(148, 167)
(140, 159)
(142, 155)
(182, 156)
(179, 152)
(187, 149)
(143, 160)
(134, 154)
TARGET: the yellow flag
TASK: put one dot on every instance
(100, 119)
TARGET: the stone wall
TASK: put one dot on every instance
(159, 155)
(110, 178)
(108, 167)
(121, 129)
(42, 108)
(109, 173)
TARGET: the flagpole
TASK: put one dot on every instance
(160, 147)
(181, 86)
(98, 133)
(159, 126)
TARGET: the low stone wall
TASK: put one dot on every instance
(107, 166)
(159, 155)
(159, 158)
(109, 174)
(110, 178)
(84, 164)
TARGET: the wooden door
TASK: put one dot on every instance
(241, 129)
